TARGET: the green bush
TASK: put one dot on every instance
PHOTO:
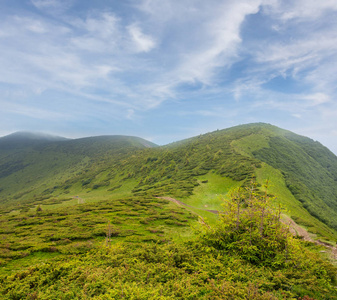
(250, 227)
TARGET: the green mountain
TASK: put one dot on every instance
(303, 173)
(62, 198)
(32, 164)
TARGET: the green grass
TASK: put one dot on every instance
(20, 264)
(292, 206)
(308, 169)
(253, 142)
(74, 229)
(210, 194)
(174, 270)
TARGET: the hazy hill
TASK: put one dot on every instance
(23, 139)
(32, 163)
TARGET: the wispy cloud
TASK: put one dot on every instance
(142, 42)
(301, 9)
(134, 57)
(53, 6)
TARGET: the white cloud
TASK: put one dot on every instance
(104, 25)
(130, 114)
(32, 25)
(174, 50)
(35, 112)
(304, 55)
(143, 43)
(53, 6)
(301, 9)
(100, 33)
(97, 52)
(316, 99)
(218, 41)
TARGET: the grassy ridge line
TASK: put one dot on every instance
(165, 171)
(302, 173)
(311, 181)
(176, 170)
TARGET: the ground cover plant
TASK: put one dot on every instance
(76, 229)
(249, 254)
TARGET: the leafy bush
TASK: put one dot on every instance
(250, 227)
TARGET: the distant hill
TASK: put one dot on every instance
(25, 139)
(32, 163)
(198, 171)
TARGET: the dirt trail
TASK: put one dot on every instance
(184, 204)
(294, 228)
(297, 230)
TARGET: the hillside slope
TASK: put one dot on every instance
(30, 165)
(199, 171)
(309, 168)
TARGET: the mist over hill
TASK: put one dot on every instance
(25, 139)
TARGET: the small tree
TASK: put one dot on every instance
(108, 234)
(250, 227)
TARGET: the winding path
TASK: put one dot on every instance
(184, 204)
(294, 228)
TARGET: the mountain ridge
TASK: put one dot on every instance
(124, 165)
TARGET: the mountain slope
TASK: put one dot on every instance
(30, 165)
(199, 171)
(309, 168)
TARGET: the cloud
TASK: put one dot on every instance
(35, 112)
(303, 55)
(316, 99)
(130, 114)
(96, 34)
(136, 56)
(94, 54)
(53, 6)
(142, 42)
(301, 9)
(218, 42)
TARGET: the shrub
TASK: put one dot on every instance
(252, 228)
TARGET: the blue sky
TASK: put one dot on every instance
(168, 70)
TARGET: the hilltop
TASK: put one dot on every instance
(23, 139)
(32, 163)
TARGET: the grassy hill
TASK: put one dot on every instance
(67, 198)
(31, 167)
(198, 171)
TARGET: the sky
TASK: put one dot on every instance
(168, 70)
